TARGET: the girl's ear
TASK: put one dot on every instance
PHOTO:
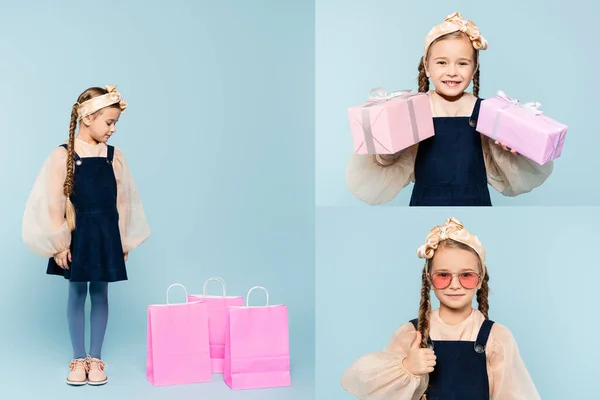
(428, 273)
(87, 120)
(426, 69)
(482, 274)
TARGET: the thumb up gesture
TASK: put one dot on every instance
(419, 361)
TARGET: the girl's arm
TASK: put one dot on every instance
(512, 174)
(509, 378)
(381, 375)
(376, 184)
(133, 226)
(44, 227)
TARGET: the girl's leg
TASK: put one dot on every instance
(98, 320)
(98, 317)
(75, 317)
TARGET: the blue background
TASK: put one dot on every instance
(219, 137)
(541, 266)
(539, 51)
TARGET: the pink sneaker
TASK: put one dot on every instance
(96, 374)
(78, 374)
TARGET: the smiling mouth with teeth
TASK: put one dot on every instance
(451, 83)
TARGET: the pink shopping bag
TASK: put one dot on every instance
(217, 321)
(177, 349)
(257, 351)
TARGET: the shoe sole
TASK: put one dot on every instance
(97, 383)
(71, 383)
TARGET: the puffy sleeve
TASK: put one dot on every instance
(381, 375)
(512, 174)
(375, 184)
(44, 227)
(510, 379)
(132, 221)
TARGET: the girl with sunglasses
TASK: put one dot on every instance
(455, 351)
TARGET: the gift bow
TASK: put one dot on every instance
(532, 106)
(379, 94)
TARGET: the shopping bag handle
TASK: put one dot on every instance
(250, 291)
(177, 284)
(216, 279)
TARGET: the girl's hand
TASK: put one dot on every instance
(505, 148)
(385, 160)
(419, 361)
(62, 258)
(125, 256)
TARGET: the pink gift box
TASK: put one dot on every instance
(522, 127)
(386, 124)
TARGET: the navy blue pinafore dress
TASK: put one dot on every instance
(460, 372)
(449, 167)
(96, 248)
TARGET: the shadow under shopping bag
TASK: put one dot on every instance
(257, 351)
(177, 348)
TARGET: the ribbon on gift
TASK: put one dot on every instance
(532, 107)
(556, 147)
(377, 96)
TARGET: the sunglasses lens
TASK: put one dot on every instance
(469, 280)
(441, 280)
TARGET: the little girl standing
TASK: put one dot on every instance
(84, 213)
(455, 166)
(455, 351)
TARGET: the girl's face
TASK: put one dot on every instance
(454, 277)
(451, 66)
(102, 125)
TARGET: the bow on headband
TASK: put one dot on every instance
(452, 229)
(116, 96)
(96, 103)
(455, 23)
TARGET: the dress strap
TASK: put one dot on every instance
(415, 323)
(110, 153)
(75, 155)
(484, 334)
(475, 115)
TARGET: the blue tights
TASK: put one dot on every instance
(98, 316)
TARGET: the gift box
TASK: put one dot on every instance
(522, 127)
(257, 349)
(389, 123)
(218, 313)
(177, 349)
